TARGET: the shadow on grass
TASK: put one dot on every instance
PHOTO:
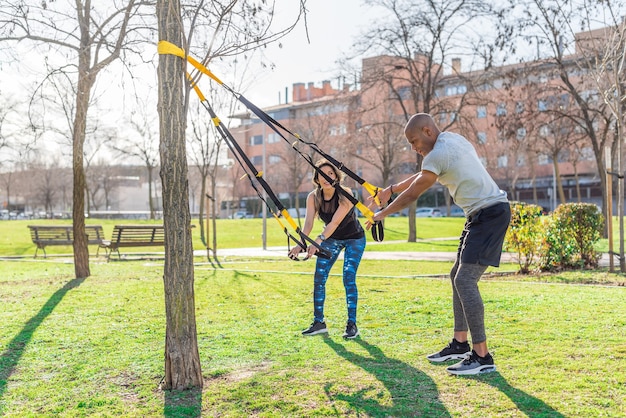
(412, 391)
(183, 403)
(12, 354)
(527, 404)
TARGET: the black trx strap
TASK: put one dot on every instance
(377, 229)
(165, 47)
(248, 168)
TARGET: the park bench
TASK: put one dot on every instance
(134, 236)
(45, 235)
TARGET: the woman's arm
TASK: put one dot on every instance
(309, 220)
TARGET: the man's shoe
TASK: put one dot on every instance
(453, 351)
(473, 364)
(315, 328)
(351, 330)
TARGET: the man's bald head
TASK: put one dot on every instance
(421, 132)
(419, 121)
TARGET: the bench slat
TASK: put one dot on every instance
(45, 235)
(135, 236)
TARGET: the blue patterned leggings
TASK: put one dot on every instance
(351, 259)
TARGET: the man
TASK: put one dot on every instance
(450, 159)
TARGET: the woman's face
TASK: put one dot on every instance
(330, 172)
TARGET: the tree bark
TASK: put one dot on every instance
(182, 360)
(85, 82)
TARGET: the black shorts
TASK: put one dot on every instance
(483, 235)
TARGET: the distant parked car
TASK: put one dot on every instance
(457, 212)
(428, 213)
(239, 215)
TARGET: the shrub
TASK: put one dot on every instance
(524, 235)
(570, 234)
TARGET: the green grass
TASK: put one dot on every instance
(94, 347)
(237, 233)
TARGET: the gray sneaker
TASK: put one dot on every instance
(453, 351)
(351, 330)
(315, 328)
(473, 364)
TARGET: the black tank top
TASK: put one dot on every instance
(349, 228)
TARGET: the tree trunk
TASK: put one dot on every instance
(557, 179)
(150, 194)
(413, 206)
(182, 359)
(85, 82)
(214, 210)
(203, 198)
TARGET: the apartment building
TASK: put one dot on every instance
(519, 117)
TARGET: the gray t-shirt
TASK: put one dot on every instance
(455, 162)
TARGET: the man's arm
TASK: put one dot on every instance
(410, 189)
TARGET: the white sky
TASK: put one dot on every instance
(333, 26)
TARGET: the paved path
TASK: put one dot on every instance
(368, 255)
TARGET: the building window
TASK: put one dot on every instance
(521, 134)
(501, 109)
(519, 107)
(274, 159)
(544, 130)
(482, 137)
(256, 140)
(404, 92)
(454, 90)
(543, 159)
(502, 161)
(481, 112)
(542, 106)
(273, 138)
(342, 129)
(257, 160)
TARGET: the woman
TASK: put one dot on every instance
(342, 230)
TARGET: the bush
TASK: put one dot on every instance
(570, 234)
(524, 235)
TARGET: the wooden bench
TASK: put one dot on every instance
(44, 235)
(134, 236)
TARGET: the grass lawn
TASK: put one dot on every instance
(94, 347)
(238, 233)
(433, 234)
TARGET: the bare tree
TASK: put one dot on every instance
(205, 154)
(610, 77)
(141, 144)
(231, 28)
(49, 178)
(101, 182)
(419, 40)
(6, 131)
(92, 37)
(553, 26)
